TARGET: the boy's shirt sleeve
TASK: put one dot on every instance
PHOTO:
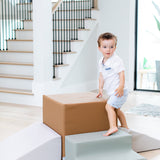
(119, 66)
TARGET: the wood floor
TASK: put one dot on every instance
(16, 117)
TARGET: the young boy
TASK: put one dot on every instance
(112, 80)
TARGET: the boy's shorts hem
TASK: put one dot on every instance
(117, 102)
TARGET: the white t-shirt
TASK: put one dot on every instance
(110, 71)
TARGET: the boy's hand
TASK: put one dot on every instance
(100, 94)
(119, 91)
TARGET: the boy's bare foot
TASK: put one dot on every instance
(111, 131)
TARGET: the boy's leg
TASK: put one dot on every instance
(122, 118)
(112, 120)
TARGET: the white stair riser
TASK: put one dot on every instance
(95, 14)
(20, 45)
(28, 24)
(89, 24)
(28, 35)
(16, 69)
(61, 71)
(59, 46)
(75, 46)
(82, 34)
(16, 57)
(16, 83)
(69, 58)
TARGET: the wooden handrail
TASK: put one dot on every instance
(54, 8)
(60, 1)
(96, 4)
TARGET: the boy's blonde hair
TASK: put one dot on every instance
(106, 36)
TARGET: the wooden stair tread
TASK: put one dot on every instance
(75, 1)
(29, 20)
(16, 76)
(71, 29)
(16, 91)
(16, 51)
(61, 65)
(23, 29)
(17, 63)
(57, 78)
(67, 40)
(64, 52)
(24, 3)
(74, 19)
(72, 10)
(28, 40)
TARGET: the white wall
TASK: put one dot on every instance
(117, 16)
(83, 76)
(42, 44)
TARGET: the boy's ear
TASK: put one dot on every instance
(99, 48)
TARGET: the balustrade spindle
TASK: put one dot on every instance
(13, 12)
(69, 17)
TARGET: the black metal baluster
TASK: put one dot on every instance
(14, 20)
(83, 15)
(60, 30)
(23, 3)
(90, 7)
(79, 15)
(77, 20)
(70, 22)
(30, 10)
(93, 4)
(17, 14)
(27, 10)
(20, 18)
(59, 55)
(64, 27)
(8, 19)
(67, 22)
(2, 45)
(74, 21)
(55, 38)
(6, 32)
(72, 11)
(54, 58)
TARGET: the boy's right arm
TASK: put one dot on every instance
(101, 83)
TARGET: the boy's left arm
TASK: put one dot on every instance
(119, 90)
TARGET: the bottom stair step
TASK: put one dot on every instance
(95, 146)
(16, 91)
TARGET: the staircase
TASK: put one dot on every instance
(72, 27)
(16, 51)
(72, 23)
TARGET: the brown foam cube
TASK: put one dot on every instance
(69, 114)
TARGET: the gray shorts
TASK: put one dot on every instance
(117, 102)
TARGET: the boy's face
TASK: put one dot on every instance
(107, 47)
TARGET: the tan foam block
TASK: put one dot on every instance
(69, 114)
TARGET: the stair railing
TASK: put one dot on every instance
(68, 17)
(13, 13)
